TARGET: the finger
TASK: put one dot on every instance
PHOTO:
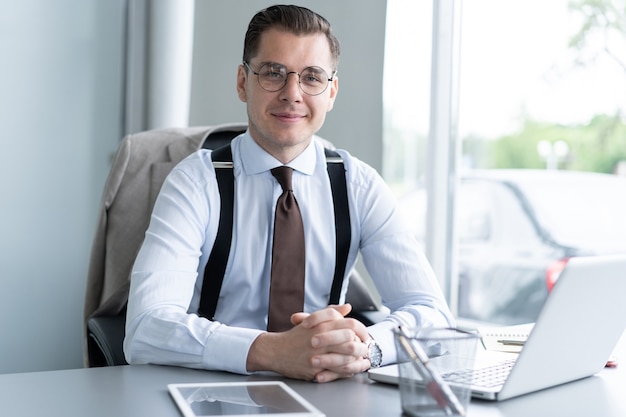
(339, 331)
(351, 368)
(296, 318)
(361, 331)
(338, 362)
(339, 341)
(328, 376)
(327, 314)
(348, 371)
(343, 309)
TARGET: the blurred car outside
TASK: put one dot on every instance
(516, 230)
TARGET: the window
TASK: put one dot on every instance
(541, 113)
(406, 92)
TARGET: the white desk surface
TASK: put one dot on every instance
(137, 391)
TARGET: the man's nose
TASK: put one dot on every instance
(291, 91)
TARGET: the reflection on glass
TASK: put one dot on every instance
(238, 399)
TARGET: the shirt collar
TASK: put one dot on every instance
(256, 160)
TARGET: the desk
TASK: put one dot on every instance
(137, 391)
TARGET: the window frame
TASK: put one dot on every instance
(443, 147)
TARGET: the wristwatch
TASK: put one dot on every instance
(374, 354)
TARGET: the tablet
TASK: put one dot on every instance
(239, 399)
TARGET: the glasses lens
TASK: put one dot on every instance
(313, 80)
(272, 77)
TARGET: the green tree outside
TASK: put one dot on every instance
(597, 146)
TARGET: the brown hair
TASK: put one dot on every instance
(295, 19)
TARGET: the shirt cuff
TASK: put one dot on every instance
(227, 349)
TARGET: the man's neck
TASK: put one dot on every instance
(286, 153)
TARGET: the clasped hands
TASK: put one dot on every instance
(322, 346)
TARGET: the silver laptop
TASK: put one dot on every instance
(574, 336)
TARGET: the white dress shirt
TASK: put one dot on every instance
(162, 322)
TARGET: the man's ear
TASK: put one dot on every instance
(242, 77)
(334, 89)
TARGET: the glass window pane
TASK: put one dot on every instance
(406, 95)
(406, 92)
(542, 116)
(542, 123)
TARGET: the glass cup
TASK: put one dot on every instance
(425, 358)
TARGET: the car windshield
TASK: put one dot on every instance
(583, 210)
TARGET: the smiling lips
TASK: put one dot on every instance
(288, 116)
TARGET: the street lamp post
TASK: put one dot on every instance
(552, 153)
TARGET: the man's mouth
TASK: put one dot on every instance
(288, 116)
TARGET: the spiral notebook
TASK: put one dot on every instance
(575, 333)
(505, 338)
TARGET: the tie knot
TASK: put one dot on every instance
(283, 175)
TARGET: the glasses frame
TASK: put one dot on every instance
(329, 80)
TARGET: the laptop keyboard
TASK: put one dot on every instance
(490, 376)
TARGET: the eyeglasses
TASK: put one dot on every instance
(273, 77)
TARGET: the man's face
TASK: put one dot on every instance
(283, 122)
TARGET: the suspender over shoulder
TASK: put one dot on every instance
(216, 265)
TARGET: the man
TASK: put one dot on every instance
(288, 81)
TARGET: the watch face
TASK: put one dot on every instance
(375, 355)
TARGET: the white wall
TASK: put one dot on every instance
(60, 114)
(355, 123)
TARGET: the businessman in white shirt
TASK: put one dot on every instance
(285, 51)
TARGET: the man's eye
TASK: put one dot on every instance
(311, 78)
(273, 74)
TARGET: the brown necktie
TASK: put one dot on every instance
(287, 280)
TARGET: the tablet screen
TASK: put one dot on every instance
(266, 398)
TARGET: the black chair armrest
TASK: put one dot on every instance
(105, 339)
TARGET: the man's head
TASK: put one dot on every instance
(294, 19)
(287, 78)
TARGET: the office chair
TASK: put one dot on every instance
(142, 162)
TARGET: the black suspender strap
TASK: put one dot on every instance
(216, 265)
(343, 234)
